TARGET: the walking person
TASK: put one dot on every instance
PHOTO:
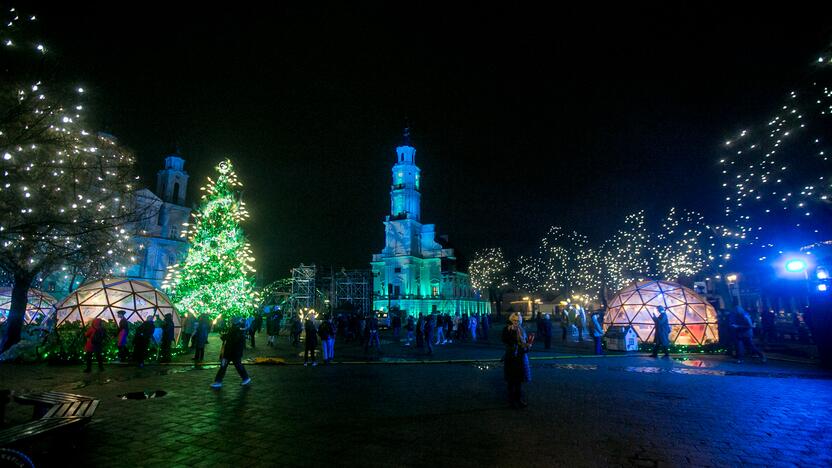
(141, 341)
(544, 329)
(397, 325)
(410, 327)
(486, 324)
(327, 333)
(311, 341)
(187, 330)
(744, 333)
(167, 337)
(249, 330)
(95, 344)
(123, 333)
(661, 333)
(420, 331)
(564, 325)
(200, 338)
(440, 330)
(372, 339)
(297, 329)
(580, 322)
(472, 327)
(597, 331)
(233, 345)
(430, 325)
(516, 369)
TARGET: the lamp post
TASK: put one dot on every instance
(734, 287)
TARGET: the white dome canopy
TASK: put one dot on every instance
(105, 297)
(38, 305)
(692, 319)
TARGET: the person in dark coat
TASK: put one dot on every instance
(564, 324)
(744, 334)
(273, 326)
(410, 327)
(397, 325)
(95, 344)
(311, 342)
(234, 343)
(598, 330)
(297, 329)
(420, 331)
(544, 329)
(187, 330)
(372, 339)
(167, 338)
(200, 338)
(661, 333)
(327, 333)
(123, 334)
(485, 324)
(516, 369)
(144, 333)
(430, 325)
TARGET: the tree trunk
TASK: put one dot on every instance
(17, 312)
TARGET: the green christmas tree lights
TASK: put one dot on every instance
(216, 277)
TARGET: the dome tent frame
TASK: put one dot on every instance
(692, 319)
(38, 304)
(105, 297)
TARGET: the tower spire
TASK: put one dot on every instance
(406, 136)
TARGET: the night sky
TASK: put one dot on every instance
(522, 118)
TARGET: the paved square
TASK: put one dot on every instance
(395, 410)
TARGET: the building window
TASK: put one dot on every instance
(397, 269)
(175, 192)
(435, 291)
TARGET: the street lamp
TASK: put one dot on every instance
(734, 286)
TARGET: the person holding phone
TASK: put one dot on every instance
(516, 368)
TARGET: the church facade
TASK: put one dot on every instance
(158, 238)
(414, 272)
(156, 235)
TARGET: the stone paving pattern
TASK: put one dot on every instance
(583, 411)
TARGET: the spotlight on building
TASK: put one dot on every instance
(795, 265)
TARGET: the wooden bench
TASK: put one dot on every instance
(35, 428)
(44, 401)
(53, 411)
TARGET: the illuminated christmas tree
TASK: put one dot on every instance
(216, 277)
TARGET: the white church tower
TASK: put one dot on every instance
(414, 272)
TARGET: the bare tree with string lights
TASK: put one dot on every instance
(777, 174)
(66, 193)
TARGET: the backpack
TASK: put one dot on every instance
(98, 336)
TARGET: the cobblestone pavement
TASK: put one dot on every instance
(583, 411)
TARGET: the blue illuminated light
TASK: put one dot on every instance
(822, 273)
(822, 287)
(795, 265)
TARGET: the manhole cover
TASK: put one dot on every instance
(142, 395)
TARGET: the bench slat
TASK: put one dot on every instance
(82, 409)
(49, 398)
(35, 428)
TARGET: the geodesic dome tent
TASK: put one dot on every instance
(38, 306)
(105, 297)
(692, 319)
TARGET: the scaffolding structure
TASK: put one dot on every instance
(353, 287)
(303, 287)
